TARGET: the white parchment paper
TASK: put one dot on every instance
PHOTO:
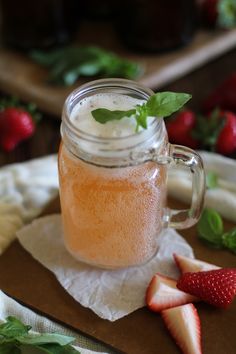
(111, 294)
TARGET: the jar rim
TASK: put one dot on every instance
(111, 83)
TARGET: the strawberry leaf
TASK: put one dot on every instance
(226, 13)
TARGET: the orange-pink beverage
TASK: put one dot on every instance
(111, 216)
(113, 177)
(112, 199)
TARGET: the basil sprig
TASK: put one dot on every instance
(66, 65)
(211, 231)
(211, 180)
(14, 335)
(161, 104)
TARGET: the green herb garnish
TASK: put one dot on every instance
(210, 228)
(226, 10)
(67, 64)
(14, 334)
(161, 104)
(211, 180)
(211, 231)
(229, 240)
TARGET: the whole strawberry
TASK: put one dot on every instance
(217, 287)
(181, 127)
(223, 96)
(16, 125)
(209, 12)
(226, 140)
(217, 132)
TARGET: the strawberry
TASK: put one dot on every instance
(226, 140)
(15, 125)
(184, 325)
(217, 131)
(209, 12)
(224, 96)
(217, 287)
(162, 294)
(180, 128)
(220, 13)
(186, 264)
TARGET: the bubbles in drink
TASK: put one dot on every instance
(82, 118)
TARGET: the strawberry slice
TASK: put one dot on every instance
(186, 264)
(162, 294)
(184, 325)
(217, 287)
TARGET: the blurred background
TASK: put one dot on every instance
(48, 48)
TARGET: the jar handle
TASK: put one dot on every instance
(181, 219)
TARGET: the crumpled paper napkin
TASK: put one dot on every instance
(111, 294)
(222, 198)
(9, 307)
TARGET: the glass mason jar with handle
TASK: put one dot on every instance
(113, 188)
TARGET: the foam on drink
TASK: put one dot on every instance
(82, 118)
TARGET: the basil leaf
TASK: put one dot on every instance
(229, 240)
(13, 328)
(9, 348)
(210, 228)
(103, 115)
(57, 349)
(46, 338)
(163, 104)
(226, 10)
(211, 180)
(141, 116)
(67, 64)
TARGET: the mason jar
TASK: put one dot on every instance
(113, 190)
(156, 25)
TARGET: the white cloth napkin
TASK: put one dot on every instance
(222, 198)
(25, 189)
(9, 307)
(110, 294)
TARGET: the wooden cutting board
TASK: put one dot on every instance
(141, 332)
(22, 77)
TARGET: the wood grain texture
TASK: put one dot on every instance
(141, 332)
(22, 77)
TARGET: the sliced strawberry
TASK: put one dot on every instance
(186, 264)
(184, 325)
(162, 294)
(217, 287)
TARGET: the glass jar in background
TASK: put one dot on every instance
(156, 25)
(97, 10)
(113, 189)
(38, 24)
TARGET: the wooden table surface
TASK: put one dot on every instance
(47, 137)
(199, 83)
